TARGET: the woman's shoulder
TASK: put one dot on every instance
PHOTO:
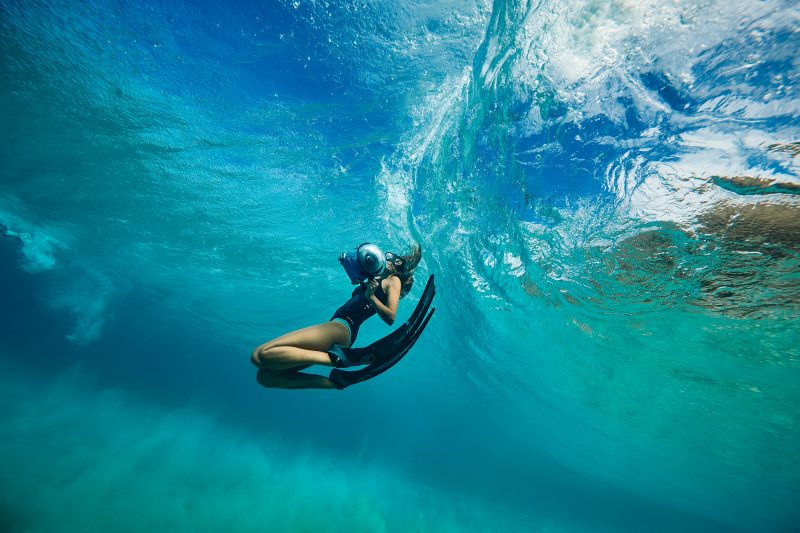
(391, 281)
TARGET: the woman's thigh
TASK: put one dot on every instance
(318, 337)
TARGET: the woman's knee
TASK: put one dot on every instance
(261, 356)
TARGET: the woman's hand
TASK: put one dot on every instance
(369, 288)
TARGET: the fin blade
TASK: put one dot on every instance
(381, 366)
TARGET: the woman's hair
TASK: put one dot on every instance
(406, 271)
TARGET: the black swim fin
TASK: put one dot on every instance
(386, 352)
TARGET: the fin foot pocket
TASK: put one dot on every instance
(338, 358)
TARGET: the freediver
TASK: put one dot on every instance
(384, 279)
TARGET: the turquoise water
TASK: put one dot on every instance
(606, 192)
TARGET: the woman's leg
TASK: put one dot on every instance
(280, 360)
(303, 347)
(292, 379)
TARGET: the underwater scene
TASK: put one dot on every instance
(606, 191)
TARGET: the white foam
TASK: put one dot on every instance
(594, 51)
(40, 244)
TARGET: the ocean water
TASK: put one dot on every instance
(606, 191)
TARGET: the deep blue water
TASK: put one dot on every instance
(606, 191)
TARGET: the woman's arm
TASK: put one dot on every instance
(389, 311)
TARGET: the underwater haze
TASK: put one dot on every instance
(607, 194)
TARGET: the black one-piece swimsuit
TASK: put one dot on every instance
(357, 309)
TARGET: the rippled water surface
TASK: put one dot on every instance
(606, 191)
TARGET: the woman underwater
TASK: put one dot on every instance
(281, 360)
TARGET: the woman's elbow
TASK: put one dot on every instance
(389, 320)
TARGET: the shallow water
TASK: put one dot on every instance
(606, 192)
